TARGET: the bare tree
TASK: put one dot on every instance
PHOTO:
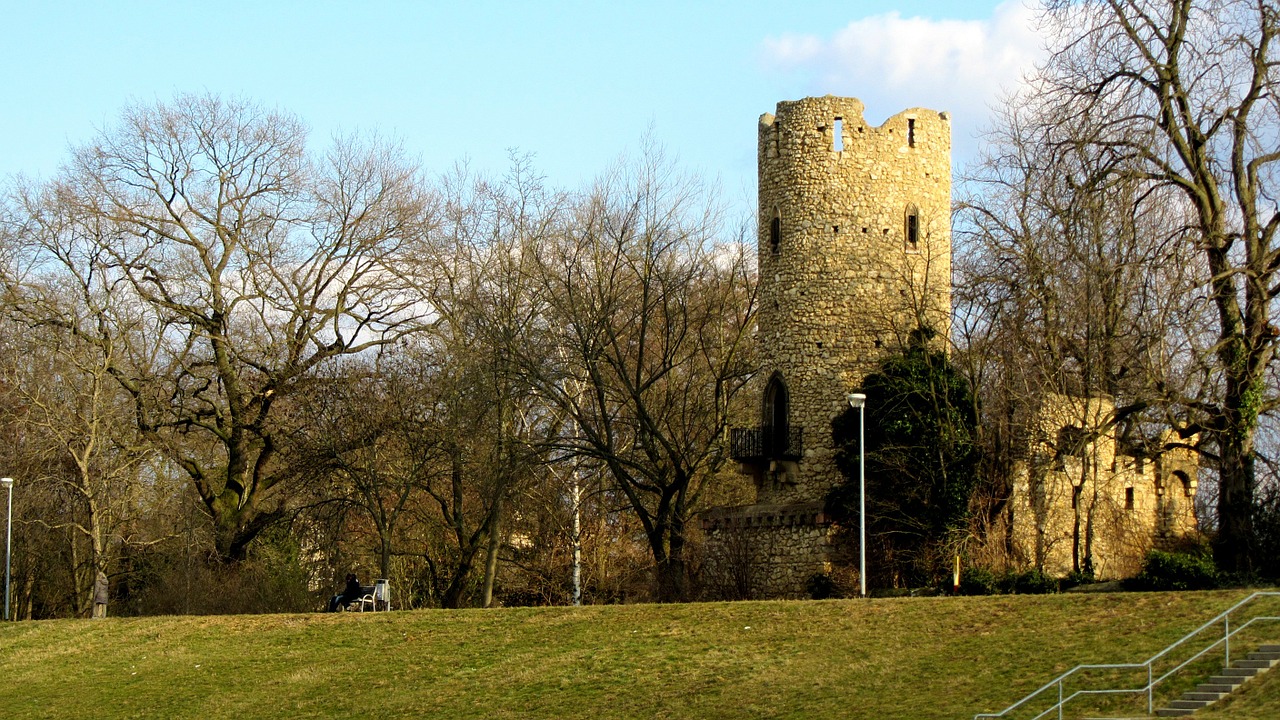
(90, 453)
(647, 319)
(1182, 94)
(243, 263)
(1080, 273)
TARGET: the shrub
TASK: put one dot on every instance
(1076, 578)
(1177, 571)
(1032, 582)
(822, 586)
(979, 581)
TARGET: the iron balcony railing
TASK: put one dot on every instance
(767, 443)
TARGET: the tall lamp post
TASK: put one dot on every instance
(858, 401)
(8, 542)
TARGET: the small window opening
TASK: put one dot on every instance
(775, 233)
(911, 132)
(819, 346)
(1128, 498)
(864, 231)
(837, 139)
(835, 229)
(913, 228)
(879, 343)
(1185, 480)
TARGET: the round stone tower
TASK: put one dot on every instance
(854, 254)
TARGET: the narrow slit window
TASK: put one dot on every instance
(912, 229)
(837, 136)
(1128, 498)
(775, 233)
(911, 132)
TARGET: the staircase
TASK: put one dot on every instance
(1223, 684)
(1212, 638)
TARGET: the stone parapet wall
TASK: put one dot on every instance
(765, 551)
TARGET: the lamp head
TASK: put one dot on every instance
(7, 482)
(857, 400)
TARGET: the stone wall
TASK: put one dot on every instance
(761, 551)
(1081, 493)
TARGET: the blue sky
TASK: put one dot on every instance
(574, 83)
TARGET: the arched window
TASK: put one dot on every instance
(775, 422)
(911, 228)
(775, 231)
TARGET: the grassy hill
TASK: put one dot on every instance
(885, 658)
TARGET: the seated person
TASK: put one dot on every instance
(350, 594)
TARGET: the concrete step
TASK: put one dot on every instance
(1224, 683)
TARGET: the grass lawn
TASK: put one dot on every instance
(884, 658)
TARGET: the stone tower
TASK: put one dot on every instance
(854, 254)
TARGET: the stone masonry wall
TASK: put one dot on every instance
(765, 551)
(1094, 499)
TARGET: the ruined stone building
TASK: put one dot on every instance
(1084, 500)
(854, 252)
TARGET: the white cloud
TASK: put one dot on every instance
(893, 63)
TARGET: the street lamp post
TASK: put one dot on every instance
(8, 542)
(859, 402)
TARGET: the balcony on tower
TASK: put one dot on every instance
(761, 445)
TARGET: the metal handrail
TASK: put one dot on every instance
(1225, 641)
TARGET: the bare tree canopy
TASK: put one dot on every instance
(647, 326)
(1173, 107)
(223, 263)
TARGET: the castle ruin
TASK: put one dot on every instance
(854, 253)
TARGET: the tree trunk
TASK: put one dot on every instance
(491, 554)
(670, 573)
(1233, 546)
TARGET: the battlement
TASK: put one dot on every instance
(836, 127)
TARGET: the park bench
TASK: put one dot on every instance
(372, 598)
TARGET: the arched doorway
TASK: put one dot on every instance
(775, 421)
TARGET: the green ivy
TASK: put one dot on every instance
(921, 462)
